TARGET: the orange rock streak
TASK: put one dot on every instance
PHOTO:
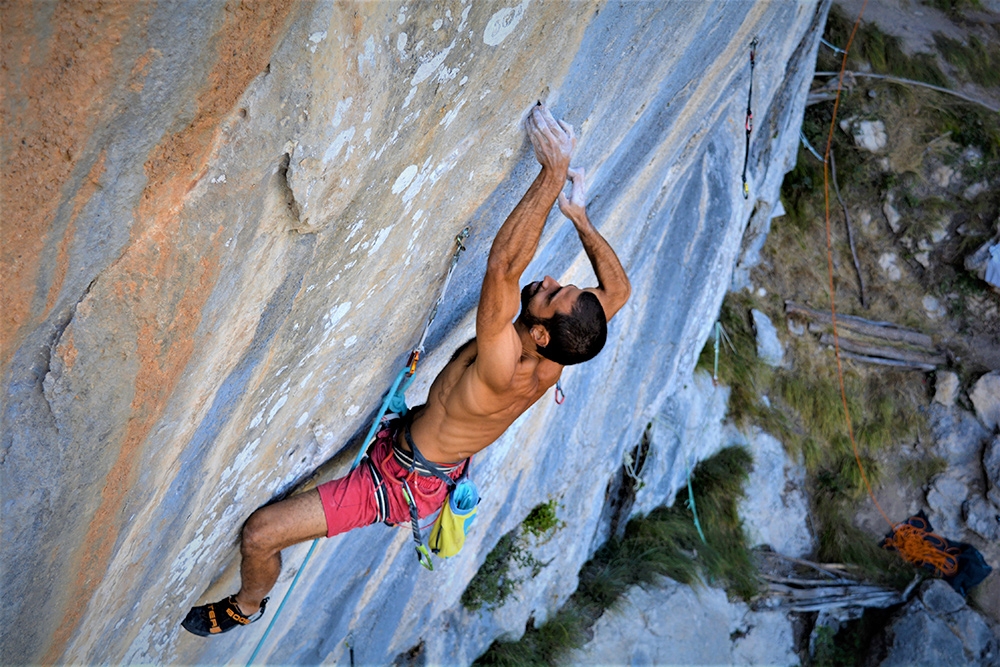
(163, 284)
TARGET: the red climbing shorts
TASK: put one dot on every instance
(350, 502)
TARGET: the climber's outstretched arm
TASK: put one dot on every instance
(513, 248)
(613, 286)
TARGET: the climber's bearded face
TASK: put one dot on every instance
(543, 299)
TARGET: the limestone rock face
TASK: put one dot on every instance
(678, 625)
(775, 507)
(224, 227)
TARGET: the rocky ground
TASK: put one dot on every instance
(918, 174)
(914, 215)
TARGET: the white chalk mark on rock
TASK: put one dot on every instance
(503, 23)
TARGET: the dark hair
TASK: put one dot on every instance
(578, 336)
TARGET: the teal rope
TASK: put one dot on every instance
(398, 403)
(282, 605)
(715, 371)
(691, 506)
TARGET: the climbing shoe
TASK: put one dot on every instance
(218, 617)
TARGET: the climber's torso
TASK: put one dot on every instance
(463, 416)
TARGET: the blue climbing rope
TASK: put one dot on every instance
(283, 601)
(395, 401)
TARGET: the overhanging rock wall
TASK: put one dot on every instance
(224, 226)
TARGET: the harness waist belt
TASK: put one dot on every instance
(406, 460)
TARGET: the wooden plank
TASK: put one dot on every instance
(885, 351)
(883, 330)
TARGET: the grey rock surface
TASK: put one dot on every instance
(937, 628)
(958, 439)
(224, 228)
(678, 625)
(775, 509)
(985, 396)
(945, 388)
(867, 134)
(991, 467)
(983, 517)
(769, 347)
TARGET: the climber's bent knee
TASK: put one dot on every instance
(290, 521)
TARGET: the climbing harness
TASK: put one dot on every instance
(560, 394)
(395, 401)
(749, 119)
(455, 517)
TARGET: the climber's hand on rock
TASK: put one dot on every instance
(552, 140)
(574, 207)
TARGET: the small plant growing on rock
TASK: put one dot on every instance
(499, 576)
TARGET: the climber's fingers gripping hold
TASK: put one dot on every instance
(552, 140)
(574, 206)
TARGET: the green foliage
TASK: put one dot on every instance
(921, 471)
(974, 60)
(840, 541)
(850, 647)
(663, 543)
(881, 51)
(542, 520)
(954, 8)
(496, 580)
(739, 367)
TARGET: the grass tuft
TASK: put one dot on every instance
(974, 60)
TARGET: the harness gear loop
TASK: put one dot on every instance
(560, 394)
(748, 123)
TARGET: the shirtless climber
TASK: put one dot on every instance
(489, 382)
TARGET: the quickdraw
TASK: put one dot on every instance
(749, 119)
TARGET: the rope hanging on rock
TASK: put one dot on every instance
(749, 120)
(395, 401)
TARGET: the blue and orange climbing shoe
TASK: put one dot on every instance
(218, 617)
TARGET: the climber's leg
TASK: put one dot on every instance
(269, 530)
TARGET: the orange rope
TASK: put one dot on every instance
(829, 262)
(913, 544)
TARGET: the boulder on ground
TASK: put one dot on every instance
(675, 624)
(985, 263)
(985, 397)
(769, 347)
(867, 134)
(938, 628)
(945, 388)
(775, 509)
